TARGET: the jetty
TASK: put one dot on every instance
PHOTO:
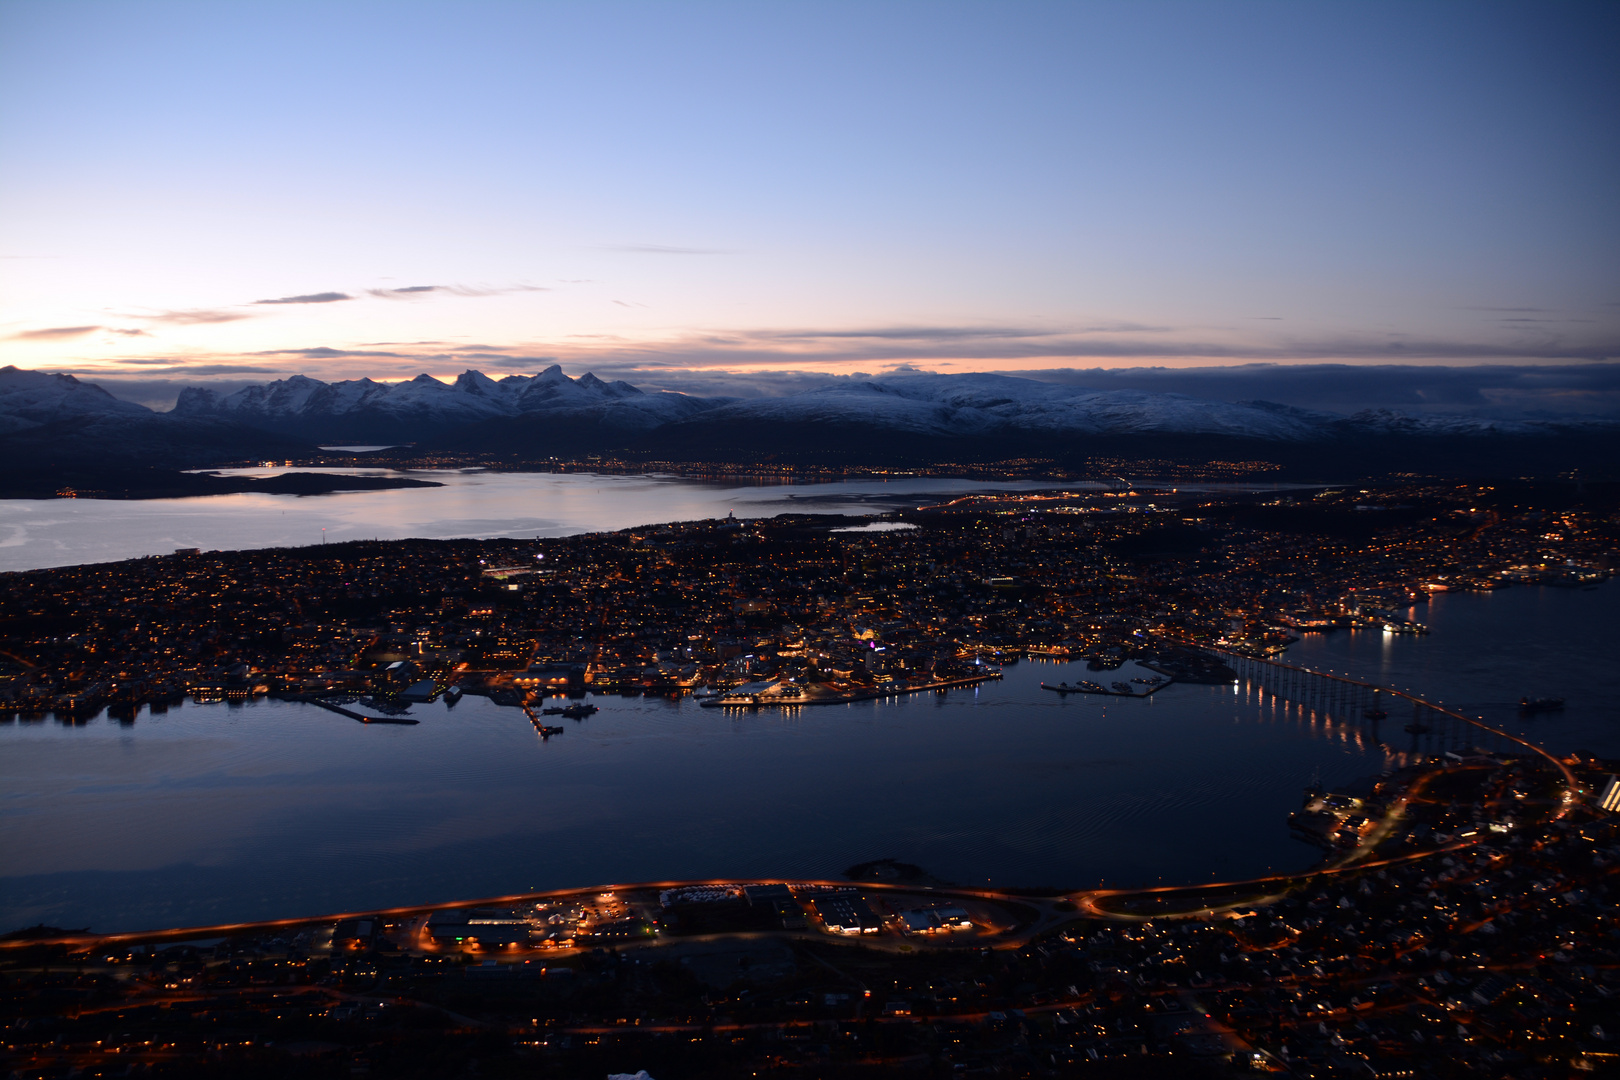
(543, 729)
(1086, 686)
(310, 699)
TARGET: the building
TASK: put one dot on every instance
(847, 915)
(1610, 799)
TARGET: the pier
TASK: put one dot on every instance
(352, 715)
(541, 728)
(1088, 687)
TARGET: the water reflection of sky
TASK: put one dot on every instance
(60, 532)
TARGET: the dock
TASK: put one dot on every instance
(759, 702)
(308, 699)
(541, 728)
(1088, 687)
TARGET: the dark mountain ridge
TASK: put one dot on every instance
(53, 422)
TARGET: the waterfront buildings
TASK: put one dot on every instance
(786, 603)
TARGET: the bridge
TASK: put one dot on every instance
(1422, 726)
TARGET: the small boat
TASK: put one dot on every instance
(1375, 714)
(548, 732)
(1123, 688)
(579, 712)
(1540, 704)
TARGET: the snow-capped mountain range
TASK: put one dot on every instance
(30, 399)
(475, 411)
(302, 403)
(935, 405)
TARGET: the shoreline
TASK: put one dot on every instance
(845, 699)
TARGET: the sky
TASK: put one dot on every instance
(757, 196)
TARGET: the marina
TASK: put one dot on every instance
(1140, 678)
(795, 696)
(1115, 689)
(319, 702)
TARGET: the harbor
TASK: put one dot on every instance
(1116, 688)
(780, 696)
(330, 706)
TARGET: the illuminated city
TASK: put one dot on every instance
(708, 541)
(1424, 936)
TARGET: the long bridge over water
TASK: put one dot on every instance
(1396, 718)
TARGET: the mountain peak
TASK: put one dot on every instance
(472, 381)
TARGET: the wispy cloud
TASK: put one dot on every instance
(910, 333)
(322, 352)
(409, 292)
(185, 372)
(55, 333)
(196, 316)
(962, 348)
(418, 292)
(489, 290)
(992, 348)
(309, 298)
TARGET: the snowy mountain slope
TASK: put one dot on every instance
(939, 406)
(550, 413)
(1390, 422)
(308, 405)
(969, 405)
(942, 405)
(48, 421)
(30, 399)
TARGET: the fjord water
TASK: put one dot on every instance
(213, 813)
(37, 533)
(1486, 651)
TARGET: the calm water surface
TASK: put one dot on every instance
(1488, 650)
(61, 532)
(37, 533)
(213, 812)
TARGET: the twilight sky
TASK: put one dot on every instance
(686, 193)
